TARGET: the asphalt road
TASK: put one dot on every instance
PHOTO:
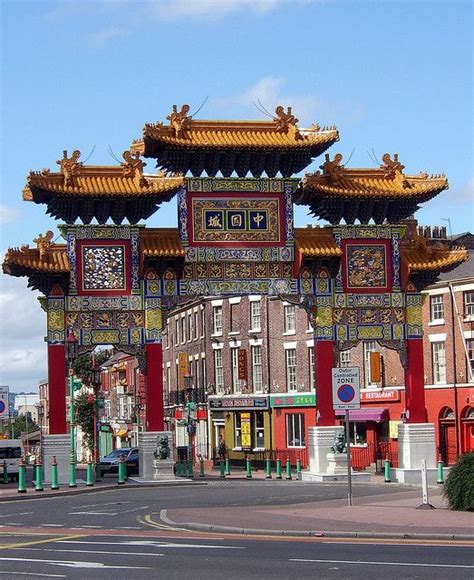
(82, 555)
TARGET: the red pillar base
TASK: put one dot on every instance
(324, 362)
(155, 412)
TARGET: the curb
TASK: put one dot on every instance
(314, 534)
(66, 491)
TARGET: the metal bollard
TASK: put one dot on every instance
(179, 471)
(201, 466)
(39, 475)
(227, 466)
(298, 468)
(54, 473)
(248, 468)
(288, 468)
(33, 476)
(387, 469)
(440, 479)
(89, 474)
(278, 469)
(190, 468)
(122, 468)
(268, 468)
(22, 476)
(222, 467)
(72, 471)
(5, 473)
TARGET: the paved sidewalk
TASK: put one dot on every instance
(394, 515)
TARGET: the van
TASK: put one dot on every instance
(10, 451)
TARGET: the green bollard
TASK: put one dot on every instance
(178, 468)
(33, 477)
(122, 468)
(298, 468)
(72, 471)
(54, 473)
(39, 475)
(201, 467)
(248, 468)
(288, 468)
(268, 468)
(440, 479)
(98, 472)
(190, 468)
(387, 470)
(227, 466)
(5, 473)
(89, 474)
(278, 469)
(222, 467)
(22, 476)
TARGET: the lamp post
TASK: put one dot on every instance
(72, 349)
(190, 406)
(96, 383)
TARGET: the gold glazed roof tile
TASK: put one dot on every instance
(316, 242)
(100, 181)
(161, 242)
(54, 259)
(387, 181)
(425, 258)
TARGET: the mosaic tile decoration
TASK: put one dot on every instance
(103, 268)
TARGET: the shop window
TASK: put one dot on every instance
(203, 373)
(236, 384)
(470, 355)
(290, 359)
(203, 323)
(237, 430)
(369, 346)
(255, 316)
(218, 371)
(437, 308)
(312, 381)
(358, 433)
(295, 430)
(190, 326)
(469, 304)
(259, 431)
(438, 352)
(217, 319)
(176, 332)
(290, 318)
(195, 326)
(257, 375)
(183, 330)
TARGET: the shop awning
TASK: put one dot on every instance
(376, 414)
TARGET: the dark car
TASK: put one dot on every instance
(109, 463)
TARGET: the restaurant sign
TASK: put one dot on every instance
(293, 400)
(377, 396)
(243, 403)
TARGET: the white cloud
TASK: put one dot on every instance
(269, 91)
(175, 9)
(101, 37)
(8, 214)
(23, 354)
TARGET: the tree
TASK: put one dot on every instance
(459, 486)
(84, 406)
(23, 424)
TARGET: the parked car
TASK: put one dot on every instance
(109, 463)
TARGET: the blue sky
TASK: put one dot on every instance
(392, 76)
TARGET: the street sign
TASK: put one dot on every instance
(4, 410)
(346, 388)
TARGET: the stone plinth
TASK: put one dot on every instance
(147, 444)
(337, 463)
(416, 441)
(60, 447)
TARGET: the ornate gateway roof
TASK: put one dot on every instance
(255, 147)
(383, 193)
(101, 192)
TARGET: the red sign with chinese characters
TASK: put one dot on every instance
(242, 364)
(377, 396)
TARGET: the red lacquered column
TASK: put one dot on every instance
(414, 382)
(323, 363)
(57, 389)
(155, 415)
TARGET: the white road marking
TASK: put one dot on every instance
(154, 543)
(365, 563)
(145, 507)
(70, 564)
(93, 514)
(14, 515)
(129, 528)
(53, 525)
(91, 505)
(36, 574)
(113, 552)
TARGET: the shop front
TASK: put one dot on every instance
(243, 424)
(293, 414)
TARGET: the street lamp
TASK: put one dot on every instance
(96, 382)
(72, 349)
(190, 407)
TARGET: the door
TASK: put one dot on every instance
(448, 442)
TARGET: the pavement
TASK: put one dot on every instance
(400, 514)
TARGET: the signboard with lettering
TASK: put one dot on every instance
(377, 396)
(4, 411)
(245, 431)
(242, 403)
(242, 364)
(346, 388)
(182, 368)
(308, 400)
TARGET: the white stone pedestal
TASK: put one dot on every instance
(324, 464)
(416, 441)
(147, 444)
(60, 447)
